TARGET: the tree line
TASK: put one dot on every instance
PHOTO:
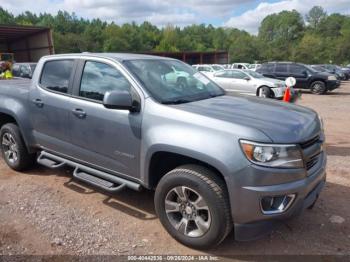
(315, 38)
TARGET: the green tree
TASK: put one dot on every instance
(280, 33)
(6, 18)
(315, 16)
(169, 40)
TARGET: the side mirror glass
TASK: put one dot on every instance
(247, 78)
(118, 99)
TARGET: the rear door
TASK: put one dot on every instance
(224, 80)
(50, 105)
(267, 70)
(281, 71)
(105, 138)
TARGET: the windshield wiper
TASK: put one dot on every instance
(176, 102)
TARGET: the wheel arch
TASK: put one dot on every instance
(161, 162)
(7, 117)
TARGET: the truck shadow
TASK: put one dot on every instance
(136, 204)
(334, 150)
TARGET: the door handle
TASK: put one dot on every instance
(38, 102)
(79, 113)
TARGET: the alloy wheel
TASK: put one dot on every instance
(187, 211)
(10, 148)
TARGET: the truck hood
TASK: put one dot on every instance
(281, 122)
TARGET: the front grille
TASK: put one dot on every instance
(312, 150)
(310, 142)
(312, 162)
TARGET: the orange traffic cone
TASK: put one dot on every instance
(286, 97)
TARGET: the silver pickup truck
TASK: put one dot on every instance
(216, 162)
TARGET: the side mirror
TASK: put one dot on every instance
(118, 99)
(305, 73)
(247, 78)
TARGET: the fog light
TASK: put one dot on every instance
(276, 204)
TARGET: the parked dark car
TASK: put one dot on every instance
(320, 68)
(306, 76)
(346, 71)
(24, 70)
(334, 69)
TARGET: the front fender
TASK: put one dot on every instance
(214, 148)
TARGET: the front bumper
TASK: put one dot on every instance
(250, 222)
(332, 84)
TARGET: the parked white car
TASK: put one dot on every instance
(249, 83)
(209, 70)
(254, 67)
(240, 66)
(176, 76)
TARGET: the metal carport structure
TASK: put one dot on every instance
(27, 43)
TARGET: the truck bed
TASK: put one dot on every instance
(17, 82)
(16, 88)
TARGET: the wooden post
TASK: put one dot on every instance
(29, 57)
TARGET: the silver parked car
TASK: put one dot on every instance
(208, 70)
(250, 83)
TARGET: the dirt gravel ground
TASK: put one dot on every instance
(45, 212)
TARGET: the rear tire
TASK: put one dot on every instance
(192, 204)
(13, 148)
(318, 88)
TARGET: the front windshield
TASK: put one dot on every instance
(310, 68)
(253, 74)
(251, 66)
(169, 86)
(319, 68)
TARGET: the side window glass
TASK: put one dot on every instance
(281, 68)
(296, 69)
(56, 75)
(238, 75)
(99, 78)
(268, 68)
(225, 74)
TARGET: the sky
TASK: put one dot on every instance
(242, 14)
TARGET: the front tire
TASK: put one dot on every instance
(13, 148)
(318, 88)
(192, 204)
(264, 91)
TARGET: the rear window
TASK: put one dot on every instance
(56, 74)
(267, 68)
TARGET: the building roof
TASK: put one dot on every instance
(10, 33)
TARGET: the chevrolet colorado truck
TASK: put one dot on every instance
(217, 162)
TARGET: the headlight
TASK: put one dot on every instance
(273, 155)
(332, 78)
(321, 123)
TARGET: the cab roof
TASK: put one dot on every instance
(116, 56)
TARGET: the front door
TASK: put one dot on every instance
(105, 138)
(242, 82)
(301, 75)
